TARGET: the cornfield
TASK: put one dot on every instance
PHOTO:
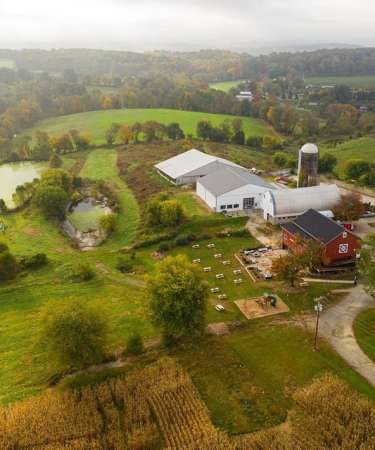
(156, 408)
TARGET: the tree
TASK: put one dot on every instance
(204, 130)
(57, 177)
(137, 130)
(52, 201)
(238, 138)
(42, 149)
(350, 207)
(135, 345)
(355, 168)
(111, 133)
(174, 132)
(107, 223)
(125, 134)
(55, 161)
(309, 124)
(8, 266)
(327, 163)
(178, 297)
(73, 334)
(3, 206)
(163, 212)
(287, 268)
(153, 131)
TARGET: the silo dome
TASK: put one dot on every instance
(310, 148)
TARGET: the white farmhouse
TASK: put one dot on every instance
(231, 189)
(284, 205)
(245, 96)
(188, 167)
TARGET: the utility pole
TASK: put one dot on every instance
(318, 308)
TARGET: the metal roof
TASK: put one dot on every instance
(227, 179)
(314, 225)
(295, 201)
(186, 163)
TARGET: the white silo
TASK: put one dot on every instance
(308, 163)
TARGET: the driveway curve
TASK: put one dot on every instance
(336, 325)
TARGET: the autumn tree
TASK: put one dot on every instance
(287, 268)
(55, 161)
(125, 134)
(164, 212)
(111, 133)
(73, 334)
(178, 297)
(350, 207)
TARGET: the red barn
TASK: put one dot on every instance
(340, 246)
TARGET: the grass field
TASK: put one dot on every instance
(101, 164)
(226, 86)
(365, 81)
(364, 329)
(97, 122)
(362, 148)
(7, 64)
(247, 378)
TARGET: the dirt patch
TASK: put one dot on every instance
(218, 329)
(30, 231)
(255, 308)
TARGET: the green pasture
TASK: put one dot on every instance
(7, 64)
(364, 330)
(357, 81)
(361, 148)
(226, 86)
(95, 123)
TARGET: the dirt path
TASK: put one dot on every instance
(336, 326)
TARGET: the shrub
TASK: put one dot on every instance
(34, 262)
(107, 223)
(8, 266)
(124, 264)
(3, 247)
(52, 201)
(83, 272)
(185, 240)
(240, 233)
(135, 345)
(164, 247)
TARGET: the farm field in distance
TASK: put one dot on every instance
(365, 81)
(95, 123)
(7, 64)
(361, 148)
(225, 86)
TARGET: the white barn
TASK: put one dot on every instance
(284, 205)
(231, 189)
(188, 167)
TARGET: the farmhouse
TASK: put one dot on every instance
(188, 167)
(245, 96)
(232, 188)
(339, 245)
(284, 205)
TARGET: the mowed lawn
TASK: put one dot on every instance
(364, 330)
(95, 123)
(225, 86)
(101, 164)
(360, 81)
(361, 148)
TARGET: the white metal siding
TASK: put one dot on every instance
(206, 196)
(238, 195)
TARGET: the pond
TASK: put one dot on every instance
(15, 174)
(86, 215)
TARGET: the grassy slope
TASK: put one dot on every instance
(364, 329)
(353, 81)
(225, 86)
(97, 122)
(101, 165)
(362, 148)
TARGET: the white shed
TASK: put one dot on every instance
(284, 205)
(189, 166)
(231, 189)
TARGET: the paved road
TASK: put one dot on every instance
(337, 327)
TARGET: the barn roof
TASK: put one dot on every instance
(295, 201)
(227, 179)
(314, 225)
(189, 162)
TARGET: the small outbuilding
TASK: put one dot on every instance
(339, 245)
(232, 188)
(284, 205)
(189, 166)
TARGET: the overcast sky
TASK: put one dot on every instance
(175, 24)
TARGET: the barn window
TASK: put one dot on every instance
(236, 206)
(222, 207)
(229, 206)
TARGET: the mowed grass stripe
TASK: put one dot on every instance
(95, 123)
(101, 164)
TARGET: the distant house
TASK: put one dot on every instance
(245, 96)
(284, 205)
(339, 245)
(231, 188)
(189, 166)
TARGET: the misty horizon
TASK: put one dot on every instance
(185, 25)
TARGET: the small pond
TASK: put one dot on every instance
(86, 215)
(15, 174)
